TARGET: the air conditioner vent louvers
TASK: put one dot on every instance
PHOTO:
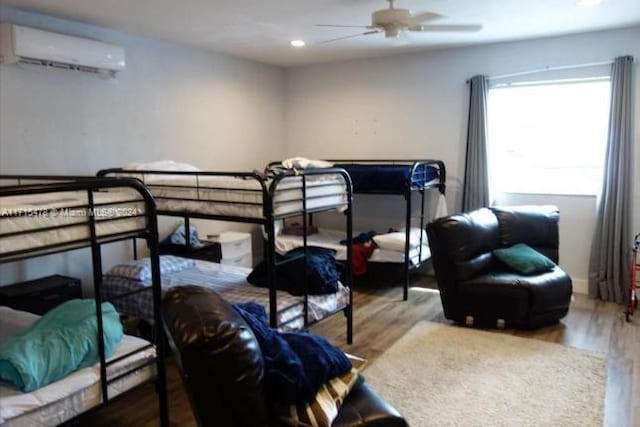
(59, 65)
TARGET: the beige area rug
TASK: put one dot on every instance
(440, 375)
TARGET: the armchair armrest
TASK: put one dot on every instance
(363, 407)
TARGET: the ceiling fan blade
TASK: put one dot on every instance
(445, 28)
(343, 26)
(350, 36)
(419, 18)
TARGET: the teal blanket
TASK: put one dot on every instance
(62, 341)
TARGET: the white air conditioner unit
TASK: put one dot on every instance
(26, 45)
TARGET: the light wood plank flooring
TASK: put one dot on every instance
(381, 317)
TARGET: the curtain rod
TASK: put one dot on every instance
(548, 68)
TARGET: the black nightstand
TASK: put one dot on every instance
(40, 295)
(211, 251)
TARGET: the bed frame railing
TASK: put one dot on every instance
(268, 185)
(417, 182)
(21, 185)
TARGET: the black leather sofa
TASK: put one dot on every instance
(222, 367)
(476, 289)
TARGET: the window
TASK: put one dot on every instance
(548, 137)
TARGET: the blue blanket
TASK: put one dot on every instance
(62, 341)
(388, 179)
(322, 272)
(297, 364)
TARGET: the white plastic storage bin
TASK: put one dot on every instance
(235, 248)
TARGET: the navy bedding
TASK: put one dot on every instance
(387, 179)
(322, 272)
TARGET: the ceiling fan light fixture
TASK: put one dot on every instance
(391, 31)
(297, 43)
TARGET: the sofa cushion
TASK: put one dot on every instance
(523, 259)
(537, 226)
(550, 291)
(325, 407)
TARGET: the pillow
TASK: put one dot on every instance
(304, 163)
(141, 269)
(162, 165)
(524, 259)
(324, 408)
(395, 241)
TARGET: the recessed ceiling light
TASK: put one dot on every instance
(589, 3)
(297, 43)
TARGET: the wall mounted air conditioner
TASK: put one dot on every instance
(26, 45)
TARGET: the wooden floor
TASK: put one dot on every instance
(381, 317)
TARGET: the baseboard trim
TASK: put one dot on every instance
(580, 286)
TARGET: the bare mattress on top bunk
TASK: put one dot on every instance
(231, 283)
(242, 197)
(64, 215)
(327, 238)
(64, 399)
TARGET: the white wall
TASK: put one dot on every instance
(172, 102)
(416, 106)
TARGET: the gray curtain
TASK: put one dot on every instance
(475, 192)
(609, 264)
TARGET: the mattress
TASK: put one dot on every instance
(330, 239)
(115, 213)
(389, 179)
(242, 197)
(231, 283)
(64, 399)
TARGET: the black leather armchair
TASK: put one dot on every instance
(476, 289)
(222, 367)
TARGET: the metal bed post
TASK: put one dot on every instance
(349, 275)
(96, 257)
(405, 288)
(187, 233)
(135, 248)
(271, 255)
(156, 280)
(305, 267)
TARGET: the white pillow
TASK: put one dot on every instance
(395, 241)
(162, 165)
(304, 163)
(141, 269)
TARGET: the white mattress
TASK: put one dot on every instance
(64, 399)
(59, 211)
(322, 191)
(330, 239)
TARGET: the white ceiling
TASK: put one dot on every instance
(261, 29)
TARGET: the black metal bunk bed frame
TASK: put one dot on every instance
(57, 184)
(417, 176)
(268, 188)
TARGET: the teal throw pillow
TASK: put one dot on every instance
(524, 259)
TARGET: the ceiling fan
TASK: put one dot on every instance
(393, 21)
